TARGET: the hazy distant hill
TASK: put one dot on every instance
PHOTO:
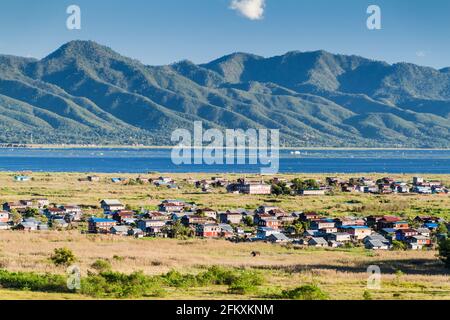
(87, 93)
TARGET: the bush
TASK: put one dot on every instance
(63, 257)
(176, 279)
(245, 282)
(119, 285)
(101, 265)
(367, 295)
(33, 282)
(216, 275)
(442, 229)
(349, 245)
(398, 245)
(306, 292)
(238, 281)
(118, 258)
(444, 252)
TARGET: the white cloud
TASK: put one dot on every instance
(421, 54)
(251, 9)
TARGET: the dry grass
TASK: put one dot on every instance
(342, 274)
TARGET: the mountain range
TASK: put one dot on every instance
(86, 93)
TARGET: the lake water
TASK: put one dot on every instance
(159, 160)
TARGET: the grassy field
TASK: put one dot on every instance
(65, 188)
(339, 273)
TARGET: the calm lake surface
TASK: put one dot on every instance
(159, 160)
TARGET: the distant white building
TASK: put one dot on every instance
(110, 205)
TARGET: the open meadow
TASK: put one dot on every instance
(339, 273)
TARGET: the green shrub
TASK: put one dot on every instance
(216, 275)
(101, 265)
(444, 252)
(442, 229)
(238, 281)
(398, 245)
(245, 282)
(63, 257)
(367, 295)
(33, 281)
(349, 245)
(118, 258)
(306, 292)
(119, 285)
(176, 279)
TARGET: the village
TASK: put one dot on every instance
(266, 223)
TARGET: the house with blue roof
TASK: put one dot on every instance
(431, 225)
(388, 233)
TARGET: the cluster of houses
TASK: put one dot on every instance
(374, 232)
(159, 182)
(30, 211)
(267, 223)
(388, 185)
(384, 185)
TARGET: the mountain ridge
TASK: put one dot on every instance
(316, 98)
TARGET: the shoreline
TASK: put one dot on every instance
(144, 147)
(238, 174)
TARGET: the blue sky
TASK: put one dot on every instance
(165, 31)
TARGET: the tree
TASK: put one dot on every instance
(15, 217)
(444, 252)
(63, 257)
(299, 228)
(31, 212)
(280, 189)
(284, 188)
(398, 245)
(414, 223)
(248, 220)
(180, 231)
(298, 184)
(442, 229)
(201, 213)
(312, 184)
(277, 190)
